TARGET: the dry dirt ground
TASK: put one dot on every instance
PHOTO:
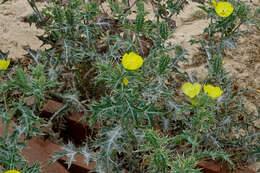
(13, 32)
(244, 62)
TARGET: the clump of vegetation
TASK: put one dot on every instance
(118, 67)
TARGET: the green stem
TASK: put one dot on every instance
(8, 118)
(235, 28)
(194, 144)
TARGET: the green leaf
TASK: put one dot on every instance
(184, 165)
(140, 6)
(139, 22)
(180, 54)
(164, 63)
(58, 15)
(152, 137)
(70, 17)
(163, 30)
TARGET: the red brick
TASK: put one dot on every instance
(40, 151)
(29, 100)
(50, 108)
(77, 131)
(245, 170)
(79, 166)
(74, 130)
(213, 167)
(76, 116)
(3, 126)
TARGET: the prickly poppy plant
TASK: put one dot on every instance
(121, 71)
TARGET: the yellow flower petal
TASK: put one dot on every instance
(224, 9)
(125, 81)
(214, 3)
(4, 64)
(13, 171)
(186, 88)
(191, 90)
(213, 92)
(132, 61)
(207, 88)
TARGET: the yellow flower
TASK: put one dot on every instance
(4, 64)
(132, 61)
(12, 171)
(125, 81)
(191, 90)
(223, 9)
(212, 91)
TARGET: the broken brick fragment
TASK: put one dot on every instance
(50, 108)
(40, 151)
(78, 166)
(213, 167)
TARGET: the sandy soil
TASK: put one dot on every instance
(13, 32)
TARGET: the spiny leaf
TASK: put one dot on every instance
(163, 30)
